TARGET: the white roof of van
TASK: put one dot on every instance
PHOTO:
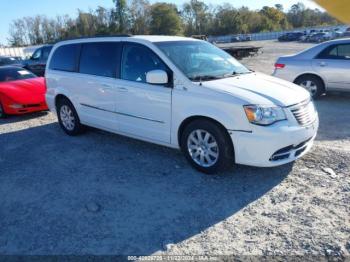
(138, 38)
(163, 38)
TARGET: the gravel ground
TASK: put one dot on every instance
(101, 193)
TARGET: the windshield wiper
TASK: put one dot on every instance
(204, 78)
(201, 78)
(234, 73)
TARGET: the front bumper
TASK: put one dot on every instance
(273, 146)
(23, 108)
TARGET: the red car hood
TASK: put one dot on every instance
(25, 91)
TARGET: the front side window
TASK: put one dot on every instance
(8, 74)
(201, 61)
(36, 55)
(100, 59)
(336, 52)
(137, 61)
(46, 53)
(65, 58)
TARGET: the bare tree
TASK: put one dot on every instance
(140, 17)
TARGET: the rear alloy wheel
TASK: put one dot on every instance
(312, 84)
(68, 118)
(207, 146)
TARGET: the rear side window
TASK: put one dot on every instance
(100, 59)
(65, 58)
(336, 52)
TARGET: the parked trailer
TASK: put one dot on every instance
(240, 52)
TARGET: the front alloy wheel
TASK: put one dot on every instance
(203, 148)
(207, 146)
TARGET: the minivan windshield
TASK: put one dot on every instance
(201, 61)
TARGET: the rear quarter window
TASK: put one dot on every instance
(65, 58)
(340, 51)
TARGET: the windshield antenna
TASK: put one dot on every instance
(200, 80)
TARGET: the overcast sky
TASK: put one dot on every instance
(12, 9)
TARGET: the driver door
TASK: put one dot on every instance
(34, 64)
(144, 110)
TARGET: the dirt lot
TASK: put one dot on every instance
(101, 193)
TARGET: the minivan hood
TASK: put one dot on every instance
(258, 88)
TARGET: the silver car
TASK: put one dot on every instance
(322, 68)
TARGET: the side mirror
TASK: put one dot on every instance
(157, 77)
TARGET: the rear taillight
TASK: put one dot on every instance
(279, 66)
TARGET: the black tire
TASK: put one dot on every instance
(2, 111)
(318, 83)
(77, 128)
(224, 148)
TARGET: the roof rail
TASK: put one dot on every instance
(95, 36)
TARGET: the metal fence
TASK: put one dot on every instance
(271, 35)
(23, 52)
(11, 51)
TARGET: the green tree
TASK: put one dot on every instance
(227, 20)
(251, 20)
(121, 15)
(279, 7)
(274, 19)
(139, 17)
(299, 16)
(296, 15)
(196, 17)
(165, 20)
(103, 20)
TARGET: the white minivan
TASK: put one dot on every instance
(182, 93)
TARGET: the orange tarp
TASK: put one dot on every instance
(337, 8)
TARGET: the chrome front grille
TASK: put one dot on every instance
(304, 112)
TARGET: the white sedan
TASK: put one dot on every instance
(322, 68)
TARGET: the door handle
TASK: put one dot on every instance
(122, 89)
(106, 86)
(323, 64)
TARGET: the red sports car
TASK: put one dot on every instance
(21, 91)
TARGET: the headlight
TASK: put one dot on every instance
(264, 115)
(16, 106)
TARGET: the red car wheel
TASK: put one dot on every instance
(2, 112)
